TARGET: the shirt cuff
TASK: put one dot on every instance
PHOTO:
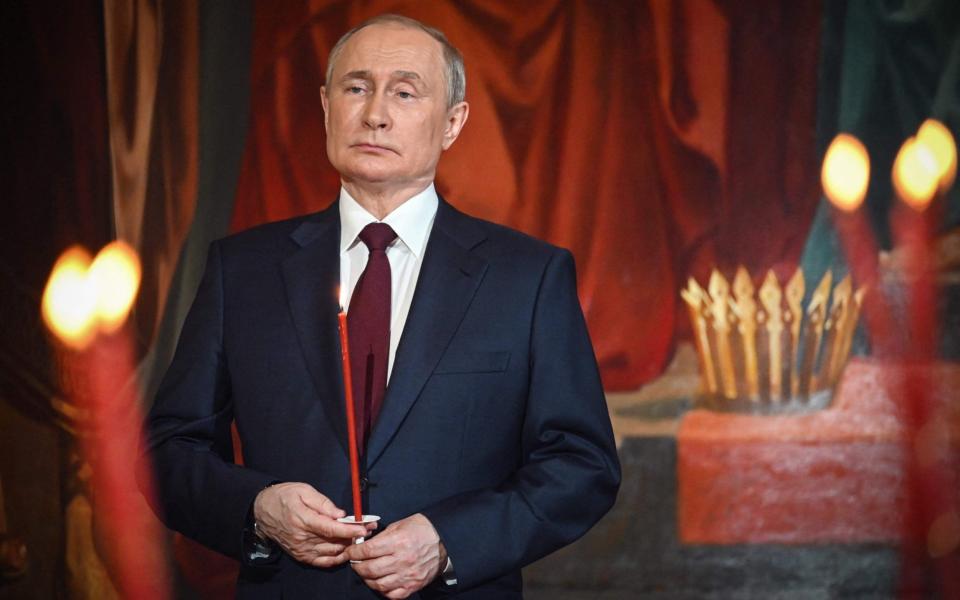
(258, 550)
(449, 576)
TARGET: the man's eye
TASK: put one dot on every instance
(404, 95)
(354, 89)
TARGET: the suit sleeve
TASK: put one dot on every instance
(200, 492)
(570, 473)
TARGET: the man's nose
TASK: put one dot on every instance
(376, 115)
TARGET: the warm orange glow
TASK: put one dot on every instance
(845, 173)
(938, 138)
(82, 296)
(915, 174)
(70, 300)
(115, 274)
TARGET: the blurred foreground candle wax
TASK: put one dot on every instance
(924, 170)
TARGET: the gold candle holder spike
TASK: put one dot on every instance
(770, 297)
(696, 299)
(794, 295)
(720, 296)
(745, 308)
(816, 319)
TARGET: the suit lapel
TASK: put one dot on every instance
(448, 280)
(312, 276)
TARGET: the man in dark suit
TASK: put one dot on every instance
(484, 435)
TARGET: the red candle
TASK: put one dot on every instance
(351, 417)
(845, 176)
(133, 535)
(85, 305)
(922, 171)
(916, 179)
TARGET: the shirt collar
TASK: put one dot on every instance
(411, 220)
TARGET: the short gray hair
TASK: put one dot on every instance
(455, 73)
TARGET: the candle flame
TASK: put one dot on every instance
(83, 296)
(341, 297)
(70, 300)
(845, 173)
(938, 138)
(915, 174)
(115, 274)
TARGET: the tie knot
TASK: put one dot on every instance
(377, 236)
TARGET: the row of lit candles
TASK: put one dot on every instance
(924, 170)
(925, 165)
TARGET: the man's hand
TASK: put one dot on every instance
(304, 522)
(401, 560)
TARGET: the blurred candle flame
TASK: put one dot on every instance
(115, 274)
(70, 300)
(915, 174)
(939, 140)
(84, 296)
(846, 172)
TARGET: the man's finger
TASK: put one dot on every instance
(320, 503)
(381, 545)
(327, 527)
(328, 548)
(375, 568)
(328, 561)
(333, 529)
(383, 584)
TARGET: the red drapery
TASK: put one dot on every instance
(654, 139)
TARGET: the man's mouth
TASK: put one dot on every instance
(373, 148)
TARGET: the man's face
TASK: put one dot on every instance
(385, 109)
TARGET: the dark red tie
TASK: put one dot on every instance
(368, 323)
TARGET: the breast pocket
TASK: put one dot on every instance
(473, 362)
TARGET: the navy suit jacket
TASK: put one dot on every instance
(494, 423)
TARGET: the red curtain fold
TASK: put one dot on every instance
(653, 139)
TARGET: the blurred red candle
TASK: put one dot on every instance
(85, 305)
(845, 176)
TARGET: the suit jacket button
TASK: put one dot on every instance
(364, 484)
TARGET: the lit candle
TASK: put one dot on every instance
(916, 173)
(935, 136)
(351, 416)
(916, 179)
(845, 176)
(924, 168)
(85, 305)
(846, 172)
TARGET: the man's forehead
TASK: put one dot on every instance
(395, 46)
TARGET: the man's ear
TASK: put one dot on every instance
(456, 119)
(326, 107)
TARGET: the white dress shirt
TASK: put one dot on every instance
(412, 222)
